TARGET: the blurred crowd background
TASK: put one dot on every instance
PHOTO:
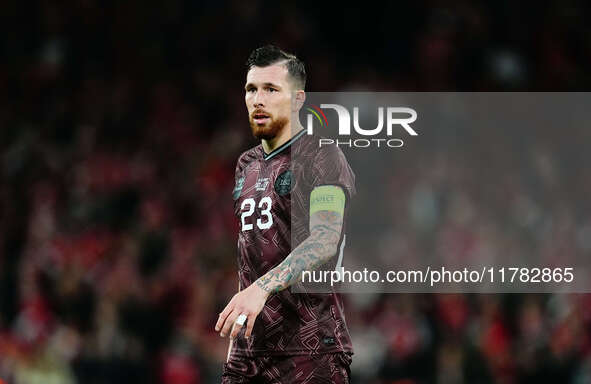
(120, 125)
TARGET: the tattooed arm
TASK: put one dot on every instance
(317, 249)
(327, 206)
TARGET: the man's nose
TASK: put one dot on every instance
(258, 100)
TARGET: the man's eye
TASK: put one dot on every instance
(272, 90)
(250, 90)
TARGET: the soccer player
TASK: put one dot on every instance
(280, 336)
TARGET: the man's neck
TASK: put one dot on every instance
(269, 145)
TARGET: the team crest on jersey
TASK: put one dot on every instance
(262, 184)
(283, 183)
(238, 188)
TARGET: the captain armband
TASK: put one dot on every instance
(327, 198)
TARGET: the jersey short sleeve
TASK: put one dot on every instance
(330, 167)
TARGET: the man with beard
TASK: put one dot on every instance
(279, 336)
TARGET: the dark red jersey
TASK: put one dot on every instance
(272, 204)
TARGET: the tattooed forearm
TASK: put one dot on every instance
(317, 249)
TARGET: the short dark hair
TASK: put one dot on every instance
(270, 54)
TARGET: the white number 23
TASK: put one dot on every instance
(264, 206)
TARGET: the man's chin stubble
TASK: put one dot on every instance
(268, 132)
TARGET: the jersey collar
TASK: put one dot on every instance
(276, 151)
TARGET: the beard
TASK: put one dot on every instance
(269, 130)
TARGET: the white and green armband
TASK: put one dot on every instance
(327, 198)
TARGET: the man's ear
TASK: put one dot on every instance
(298, 97)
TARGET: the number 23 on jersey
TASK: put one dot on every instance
(248, 206)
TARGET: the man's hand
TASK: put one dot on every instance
(249, 302)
